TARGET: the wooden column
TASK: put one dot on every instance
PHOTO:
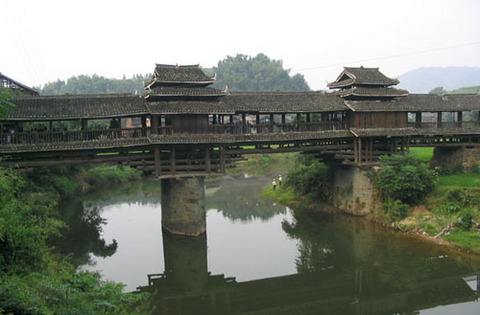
(459, 118)
(155, 123)
(439, 119)
(257, 119)
(144, 121)
(158, 165)
(418, 119)
(360, 153)
(283, 119)
(222, 159)
(271, 119)
(231, 119)
(214, 119)
(50, 126)
(172, 161)
(308, 118)
(355, 151)
(299, 118)
(208, 163)
(244, 122)
(84, 124)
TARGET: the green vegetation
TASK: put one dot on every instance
(95, 84)
(282, 194)
(460, 180)
(404, 178)
(259, 73)
(265, 164)
(466, 90)
(33, 280)
(309, 177)
(424, 154)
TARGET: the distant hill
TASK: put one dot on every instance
(467, 90)
(423, 80)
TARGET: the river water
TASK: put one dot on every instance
(262, 258)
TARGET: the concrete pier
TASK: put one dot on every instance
(465, 158)
(353, 190)
(183, 206)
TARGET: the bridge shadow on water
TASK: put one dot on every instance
(361, 271)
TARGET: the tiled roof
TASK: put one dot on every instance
(76, 107)
(174, 74)
(13, 84)
(284, 102)
(176, 91)
(361, 91)
(419, 102)
(190, 107)
(362, 76)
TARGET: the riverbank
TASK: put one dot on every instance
(33, 279)
(448, 215)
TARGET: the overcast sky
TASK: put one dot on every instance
(41, 41)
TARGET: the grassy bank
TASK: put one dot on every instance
(33, 280)
(265, 164)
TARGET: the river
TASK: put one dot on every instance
(262, 258)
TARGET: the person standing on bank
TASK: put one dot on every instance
(280, 180)
(274, 184)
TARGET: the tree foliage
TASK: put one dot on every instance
(404, 178)
(309, 177)
(259, 73)
(439, 90)
(95, 84)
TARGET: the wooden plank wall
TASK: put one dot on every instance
(378, 120)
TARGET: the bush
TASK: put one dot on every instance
(404, 178)
(110, 174)
(396, 209)
(465, 221)
(309, 177)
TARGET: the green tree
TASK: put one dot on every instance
(309, 177)
(404, 178)
(259, 73)
(95, 84)
(439, 90)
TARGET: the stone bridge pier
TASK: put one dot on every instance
(352, 188)
(183, 206)
(465, 157)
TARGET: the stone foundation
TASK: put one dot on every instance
(183, 206)
(352, 190)
(464, 158)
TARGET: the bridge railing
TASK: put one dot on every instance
(255, 128)
(34, 137)
(446, 125)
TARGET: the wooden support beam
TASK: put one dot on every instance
(84, 124)
(172, 160)
(231, 119)
(308, 117)
(284, 121)
(299, 118)
(222, 159)
(360, 153)
(460, 118)
(257, 119)
(439, 119)
(158, 165)
(208, 165)
(271, 119)
(418, 119)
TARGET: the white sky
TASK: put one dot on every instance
(41, 41)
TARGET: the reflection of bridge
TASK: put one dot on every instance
(186, 287)
(183, 127)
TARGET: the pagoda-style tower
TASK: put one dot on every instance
(175, 96)
(366, 83)
(360, 88)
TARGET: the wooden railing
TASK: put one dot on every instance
(446, 125)
(33, 137)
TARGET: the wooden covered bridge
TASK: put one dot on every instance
(182, 126)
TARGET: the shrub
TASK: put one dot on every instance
(395, 209)
(404, 178)
(465, 221)
(309, 177)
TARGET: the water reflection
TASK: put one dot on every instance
(344, 267)
(307, 264)
(240, 199)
